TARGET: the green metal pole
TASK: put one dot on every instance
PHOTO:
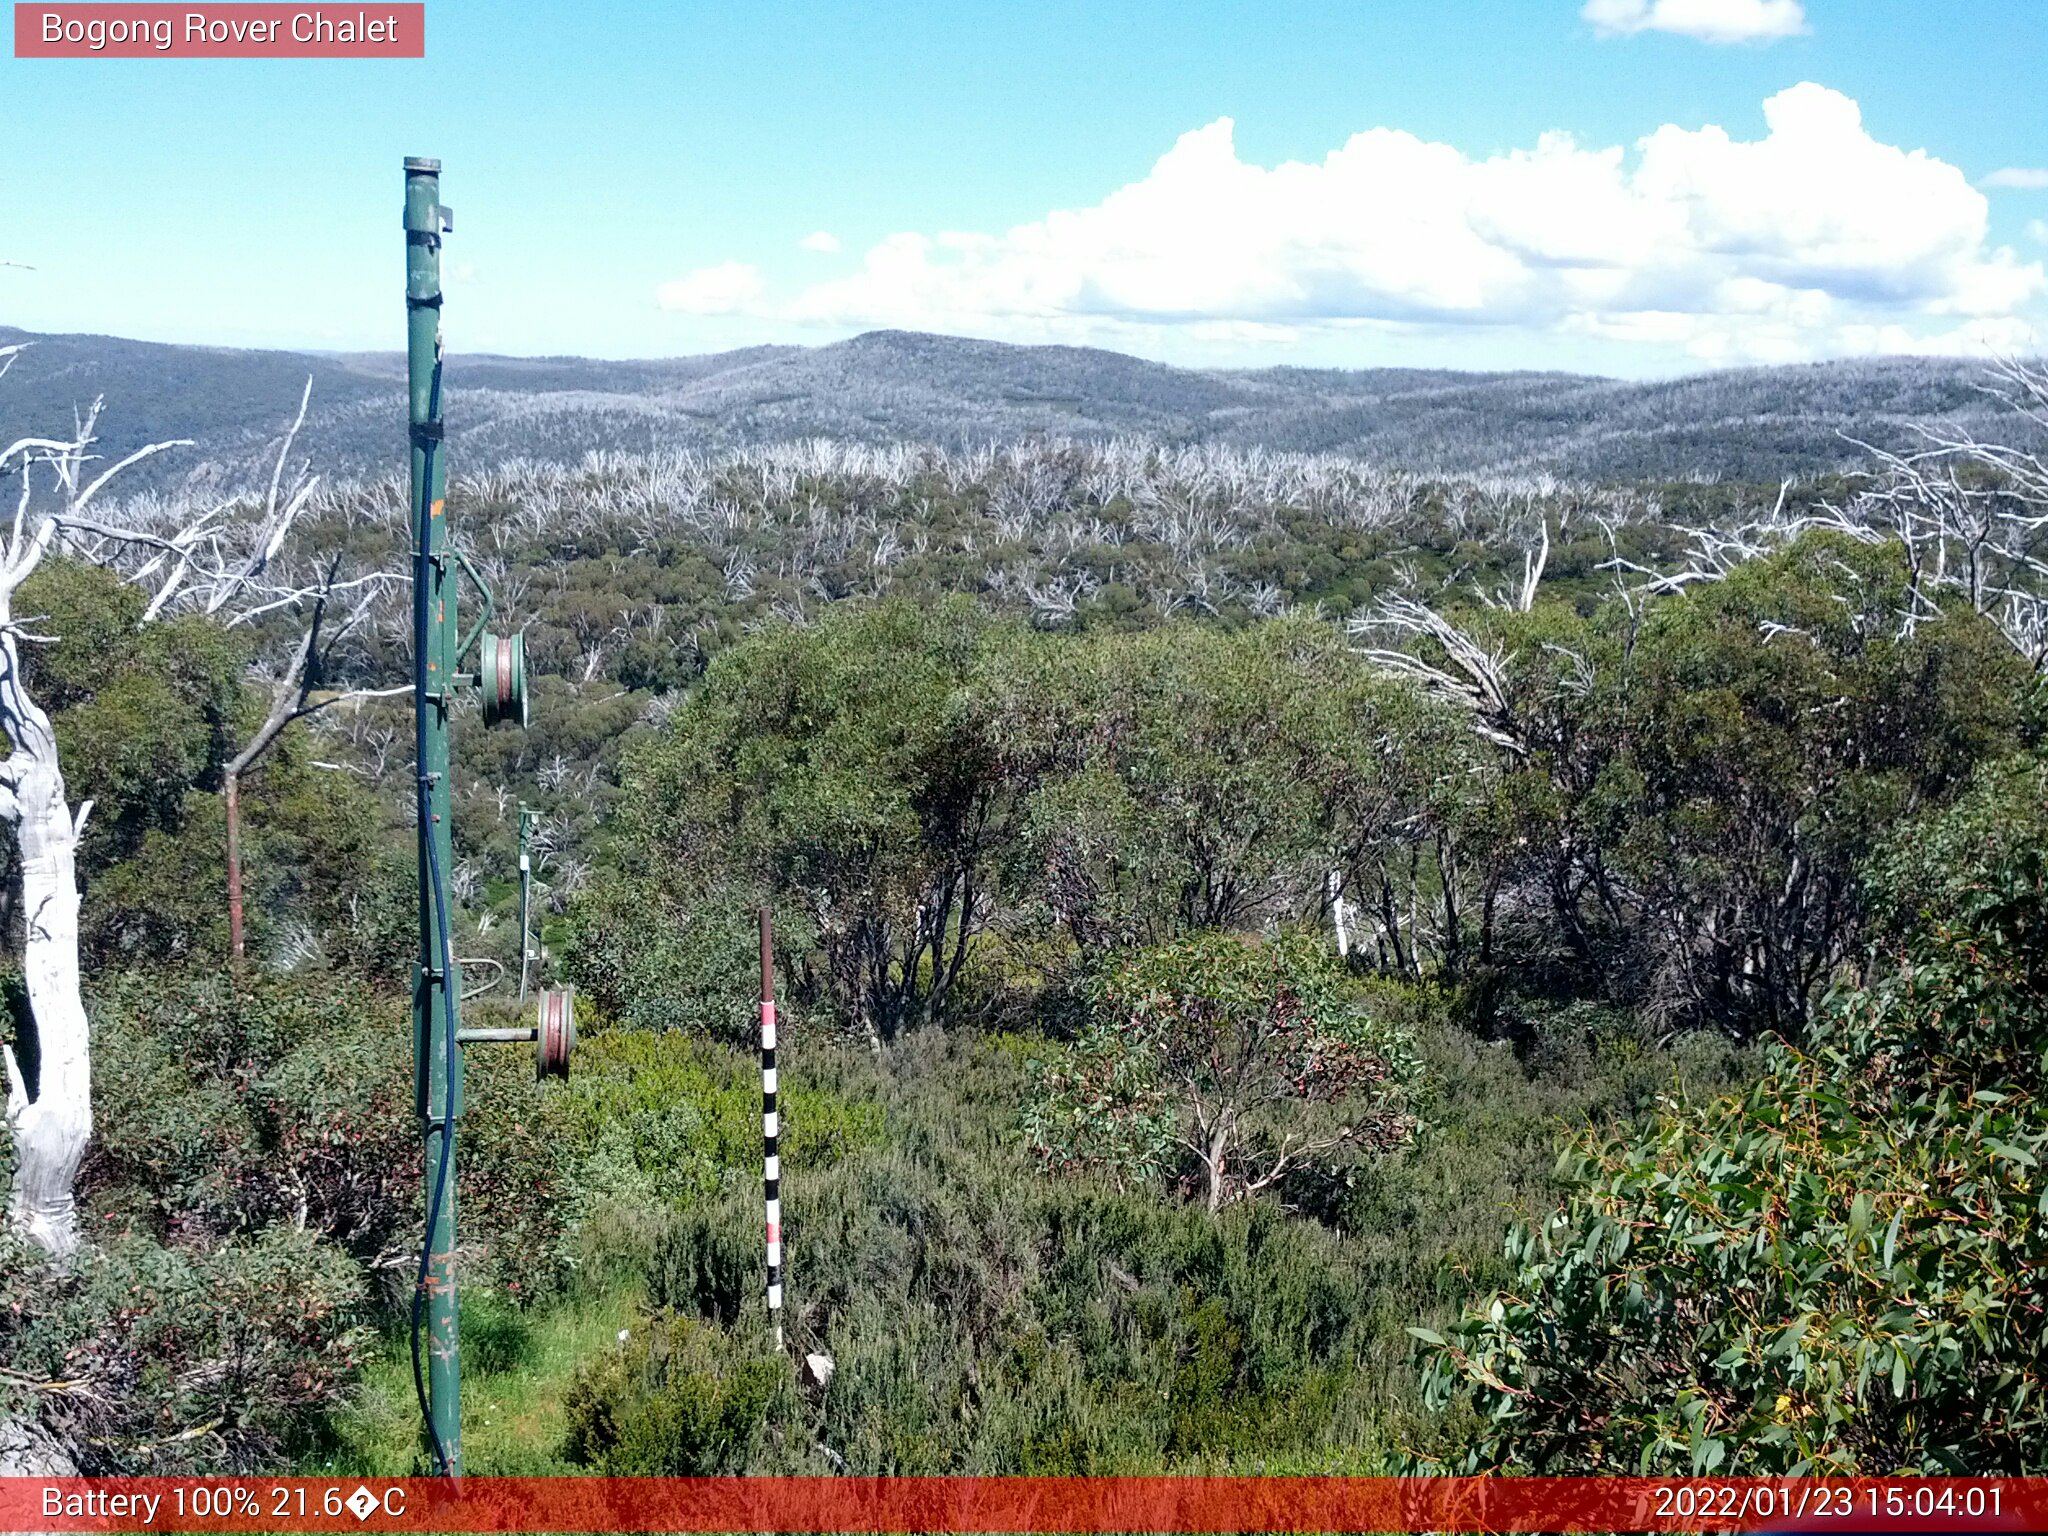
(437, 1065)
(525, 893)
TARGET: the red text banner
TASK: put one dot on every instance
(1024, 1504)
(236, 31)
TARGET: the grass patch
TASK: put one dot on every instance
(517, 1369)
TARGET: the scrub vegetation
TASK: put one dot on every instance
(1287, 966)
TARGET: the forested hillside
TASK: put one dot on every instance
(1213, 884)
(888, 387)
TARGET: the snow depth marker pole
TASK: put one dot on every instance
(771, 1160)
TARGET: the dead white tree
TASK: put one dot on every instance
(51, 1116)
(1470, 675)
(220, 560)
(1972, 515)
(232, 563)
(1971, 518)
(1535, 556)
(1334, 885)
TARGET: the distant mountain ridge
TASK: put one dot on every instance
(1756, 424)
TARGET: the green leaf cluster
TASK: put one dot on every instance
(1841, 1269)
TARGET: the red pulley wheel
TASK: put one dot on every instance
(557, 1034)
(501, 679)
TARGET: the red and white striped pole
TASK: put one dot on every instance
(771, 1160)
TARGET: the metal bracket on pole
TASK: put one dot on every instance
(483, 588)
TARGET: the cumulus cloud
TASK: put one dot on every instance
(2025, 178)
(1816, 238)
(820, 240)
(729, 288)
(1711, 21)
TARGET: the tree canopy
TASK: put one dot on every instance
(1841, 1268)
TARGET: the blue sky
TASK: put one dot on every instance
(1590, 184)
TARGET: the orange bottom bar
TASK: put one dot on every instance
(1024, 1504)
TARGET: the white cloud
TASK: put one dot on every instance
(820, 240)
(1711, 21)
(2037, 229)
(731, 288)
(2025, 178)
(1814, 239)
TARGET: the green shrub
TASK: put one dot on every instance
(232, 1101)
(673, 1401)
(1934, 863)
(654, 963)
(1841, 1270)
(1244, 1060)
(228, 1103)
(709, 1261)
(660, 1121)
(1019, 1327)
(189, 1358)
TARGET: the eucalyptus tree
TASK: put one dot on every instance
(218, 559)
(1239, 1058)
(51, 1116)
(1700, 764)
(844, 770)
(1836, 1270)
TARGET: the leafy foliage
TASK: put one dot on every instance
(863, 796)
(674, 1403)
(237, 1102)
(1838, 1270)
(156, 1360)
(1214, 1050)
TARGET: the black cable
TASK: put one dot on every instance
(438, 895)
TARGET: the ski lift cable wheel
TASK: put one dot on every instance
(501, 679)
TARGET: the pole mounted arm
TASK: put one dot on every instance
(483, 589)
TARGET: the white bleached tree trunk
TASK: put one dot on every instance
(49, 1070)
(49, 1096)
(210, 562)
(49, 1074)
